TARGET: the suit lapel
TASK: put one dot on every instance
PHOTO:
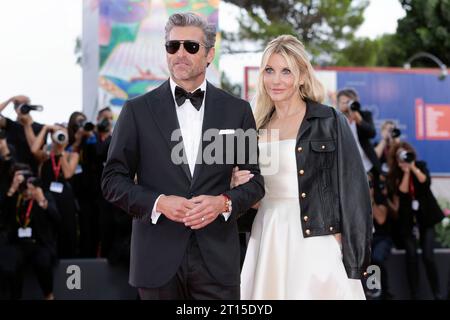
(163, 110)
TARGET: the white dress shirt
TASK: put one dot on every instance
(191, 121)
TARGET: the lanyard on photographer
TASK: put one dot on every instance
(56, 168)
(26, 217)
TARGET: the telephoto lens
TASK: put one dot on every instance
(103, 125)
(60, 137)
(354, 105)
(26, 108)
(407, 156)
(86, 125)
(395, 133)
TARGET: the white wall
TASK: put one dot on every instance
(37, 55)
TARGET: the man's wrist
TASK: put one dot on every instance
(227, 203)
(158, 207)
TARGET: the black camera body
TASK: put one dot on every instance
(29, 177)
(103, 125)
(86, 125)
(395, 133)
(25, 108)
(407, 156)
(354, 106)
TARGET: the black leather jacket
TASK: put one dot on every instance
(334, 193)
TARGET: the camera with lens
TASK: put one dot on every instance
(25, 108)
(103, 125)
(354, 105)
(60, 137)
(406, 156)
(395, 133)
(86, 125)
(29, 177)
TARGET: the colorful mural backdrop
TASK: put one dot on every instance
(132, 57)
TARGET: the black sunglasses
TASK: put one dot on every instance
(190, 46)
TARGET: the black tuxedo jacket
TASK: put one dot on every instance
(139, 168)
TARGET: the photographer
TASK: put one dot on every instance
(32, 219)
(83, 139)
(115, 224)
(363, 129)
(21, 133)
(362, 126)
(382, 241)
(6, 150)
(56, 166)
(7, 254)
(390, 135)
(418, 210)
(6, 163)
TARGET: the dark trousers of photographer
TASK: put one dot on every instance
(8, 272)
(418, 226)
(65, 203)
(15, 259)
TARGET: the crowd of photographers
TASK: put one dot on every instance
(51, 205)
(404, 208)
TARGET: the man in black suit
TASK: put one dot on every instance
(185, 239)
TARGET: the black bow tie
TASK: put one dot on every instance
(195, 97)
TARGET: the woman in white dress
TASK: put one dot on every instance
(309, 239)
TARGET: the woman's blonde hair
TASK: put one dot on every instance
(296, 57)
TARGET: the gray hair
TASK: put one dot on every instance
(348, 92)
(189, 19)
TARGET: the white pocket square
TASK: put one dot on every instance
(226, 131)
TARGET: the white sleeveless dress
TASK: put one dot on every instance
(280, 263)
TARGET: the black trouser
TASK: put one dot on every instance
(381, 250)
(377, 192)
(8, 272)
(192, 281)
(40, 258)
(106, 226)
(67, 228)
(243, 246)
(412, 269)
(89, 226)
